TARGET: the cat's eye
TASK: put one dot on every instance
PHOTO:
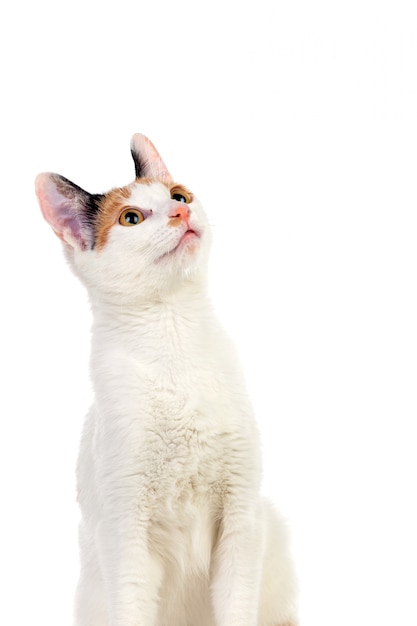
(131, 217)
(181, 195)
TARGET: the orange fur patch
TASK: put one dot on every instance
(174, 221)
(110, 208)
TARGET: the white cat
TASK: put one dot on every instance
(174, 531)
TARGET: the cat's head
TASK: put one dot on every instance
(133, 243)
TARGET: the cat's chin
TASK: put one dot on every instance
(187, 245)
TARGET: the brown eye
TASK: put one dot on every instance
(181, 195)
(131, 217)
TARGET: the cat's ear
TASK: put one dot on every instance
(67, 208)
(148, 163)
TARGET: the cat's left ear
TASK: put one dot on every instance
(148, 162)
(67, 209)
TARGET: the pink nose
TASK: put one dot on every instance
(180, 211)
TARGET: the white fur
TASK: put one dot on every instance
(174, 531)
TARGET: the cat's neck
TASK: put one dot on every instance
(181, 315)
(170, 339)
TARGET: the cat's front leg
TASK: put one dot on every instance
(237, 565)
(132, 576)
(125, 496)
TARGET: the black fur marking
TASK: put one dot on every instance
(69, 189)
(92, 207)
(91, 210)
(139, 164)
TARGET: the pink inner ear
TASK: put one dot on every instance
(153, 165)
(59, 211)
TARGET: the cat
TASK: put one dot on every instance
(173, 531)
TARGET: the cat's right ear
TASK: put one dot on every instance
(66, 207)
(148, 162)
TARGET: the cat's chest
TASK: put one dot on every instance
(169, 422)
(184, 491)
(170, 435)
(183, 452)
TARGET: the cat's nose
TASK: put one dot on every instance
(179, 211)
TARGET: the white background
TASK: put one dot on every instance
(295, 124)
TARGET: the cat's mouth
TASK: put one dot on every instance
(189, 234)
